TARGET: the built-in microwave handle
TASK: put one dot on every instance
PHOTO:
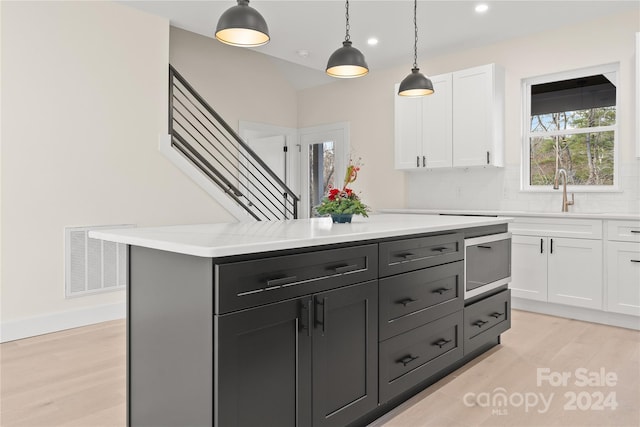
(482, 240)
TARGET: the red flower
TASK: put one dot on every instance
(333, 193)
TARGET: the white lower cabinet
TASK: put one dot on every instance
(623, 277)
(623, 267)
(528, 267)
(575, 272)
(555, 269)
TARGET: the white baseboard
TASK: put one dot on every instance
(578, 313)
(54, 322)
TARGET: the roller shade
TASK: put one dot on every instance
(572, 95)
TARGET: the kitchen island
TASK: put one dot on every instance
(301, 322)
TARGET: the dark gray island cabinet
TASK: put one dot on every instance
(333, 327)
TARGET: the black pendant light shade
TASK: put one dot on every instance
(415, 84)
(242, 25)
(347, 62)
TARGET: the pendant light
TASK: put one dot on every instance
(243, 26)
(416, 83)
(347, 62)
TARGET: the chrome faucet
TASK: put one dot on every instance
(565, 202)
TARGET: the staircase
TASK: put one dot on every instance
(221, 159)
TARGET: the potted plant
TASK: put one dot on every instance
(343, 203)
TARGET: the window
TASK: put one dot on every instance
(571, 124)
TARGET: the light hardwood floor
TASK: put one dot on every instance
(77, 378)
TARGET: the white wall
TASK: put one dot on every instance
(83, 94)
(368, 104)
(240, 84)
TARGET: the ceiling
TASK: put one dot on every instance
(318, 27)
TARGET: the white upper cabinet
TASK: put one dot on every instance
(408, 129)
(460, 125)
(437, 128)
(478, 117)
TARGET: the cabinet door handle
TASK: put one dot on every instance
(305, 306)
(440, 343)
(484, 247)
(322, 323)
(480, 323)
(496, 315)
(274, 283)
(440, 291)
(407, 359)
(407, 301)
(408, 256)
(417, 161)
(440, 249)
(487, 157)
(424, 161)
(346, 268)
(635, 231)
(634, 260)
(551, 246)
(541, 246)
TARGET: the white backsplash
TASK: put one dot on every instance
(499, 189)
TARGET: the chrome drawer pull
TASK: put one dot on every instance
(441, 249)
(440, 291)
(480, 323)
(346, 268)
(484, 247)
(407, 301)
(281, 281)
(496, 315)
(408, 257)
(407, 359)
(441, 342)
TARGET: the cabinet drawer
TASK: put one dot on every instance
(486, 319)
(557, 227)
(623, 231)
(251, 283)
(408, 359)
(412, 299)
(401, 256)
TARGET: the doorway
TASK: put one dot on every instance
(308, 160)
(276, 147)
(324, 157)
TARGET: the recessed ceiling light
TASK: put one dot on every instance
(482, 8)
(372, 41)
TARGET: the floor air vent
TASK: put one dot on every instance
(91, 265)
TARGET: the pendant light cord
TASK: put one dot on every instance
(415, 41)
(347, 37)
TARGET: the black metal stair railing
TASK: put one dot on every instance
(209, 143)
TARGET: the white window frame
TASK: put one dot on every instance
(527, 134)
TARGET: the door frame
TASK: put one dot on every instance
(314, 135)
(248, 130)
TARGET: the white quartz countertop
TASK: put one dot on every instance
(576, 215)
(217, 240)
